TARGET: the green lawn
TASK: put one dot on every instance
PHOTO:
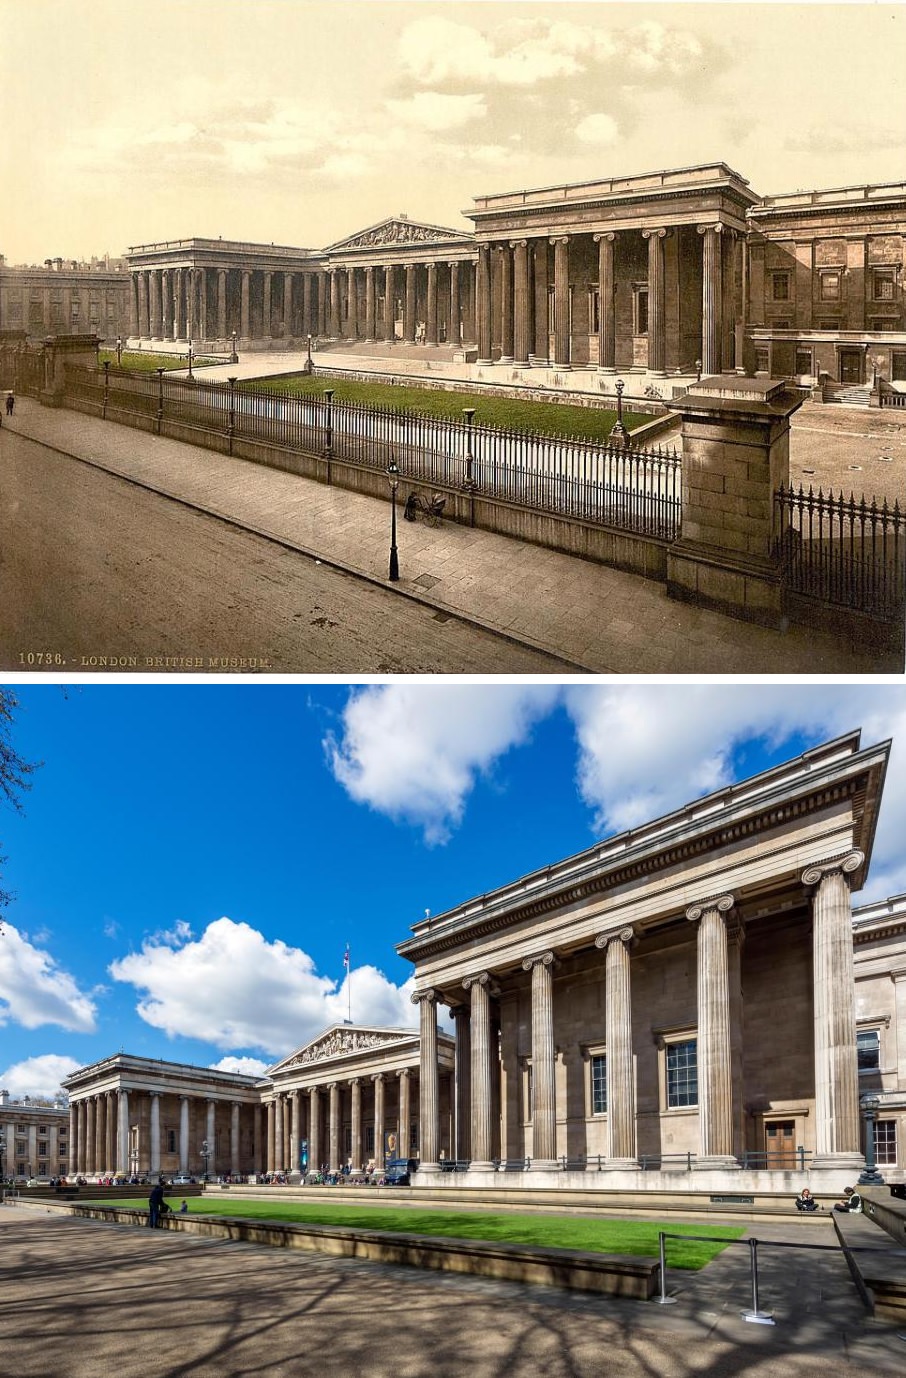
(538, 418)
(562, 1232)
(137, 361)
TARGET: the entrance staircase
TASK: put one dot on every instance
(847, 394)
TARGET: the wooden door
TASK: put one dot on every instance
(779, 1143)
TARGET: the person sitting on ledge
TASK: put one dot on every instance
(805, 1201)
(852, 1201)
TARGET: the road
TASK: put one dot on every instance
(99, 575)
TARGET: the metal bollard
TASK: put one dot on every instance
(663, 1299)
(758, 1317)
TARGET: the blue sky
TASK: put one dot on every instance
(192, 860)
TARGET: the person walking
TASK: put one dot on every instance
(155, 1201)
(10, 403)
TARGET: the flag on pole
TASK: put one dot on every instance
(346, 957)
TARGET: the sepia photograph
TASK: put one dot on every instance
(473, 338)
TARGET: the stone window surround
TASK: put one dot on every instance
(874, 1024)
(589, 1052)
(663, 1038)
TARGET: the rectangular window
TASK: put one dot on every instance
(171, 1140)
(369, 1140)
(830, 286)
(599, 1084)
(884, 282)
(886, 1142)
(868, 1046)
(898, 368)
(682, 1074)
(42, 1128)
(780, 286)
(762, 361)
(21, 1148)
(594, 311)
(641, 311)
(413, 1139)
(803, 361)
(529, 1093)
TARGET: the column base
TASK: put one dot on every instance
(620, 1165)
(544, 1165)
(716, 1162)
(476, 1166)
(429, 1169)
(839, 1162)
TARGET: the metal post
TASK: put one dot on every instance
(328, 439)
(191, 377)
(663, 1299)
(755, 1315)
(870, 1176)
(619, 435)
(234, 357)
(160, 398)
(470, 485)
(106, 388)
(393, 478)
(232, 427)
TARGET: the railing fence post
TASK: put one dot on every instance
(663, 1299)
(756, 1315)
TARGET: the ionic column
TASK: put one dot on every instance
(481, 989)
(202, 288)
(323, 292)
(309, 325)
(369, 304)
(352, 305)
(267, 325)
(356, 1127)
(100, 1133)
(155, 305)
(234, 1139)
(179, 313)
(279, 1141)
(89, 1136)
(288, 305)
(541, 275)
(621, 1130)
(379, 1116)
(544, 1107)
(133, 313)
(431, 330)
(715, 1075)
(483, 303)
(221, 303)
(521, 303)
(123, 1134)
(110, 1145)
(191, 304)
(271, 1136)
(657, 302)
(561, 302)
(607, 334)
(506, 303)
(257, 1147)
(409, 312)
(245, 327)
(405, 1113)
(314, 1128)
(81, 1159)
(389, 304)
(144, 327)
(712, 298)
(334, 304)
(166, 304)
(334, 1128)
(836, 1065)
(462, 1132)
(454, 334)
(73, 1159)
(429, 1103)
(184, 1134)
(294, 1131)
(155, 1134)
(211, 1136)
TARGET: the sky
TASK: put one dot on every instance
(193, 860)
(302, 121)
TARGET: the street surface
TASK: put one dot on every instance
(99, 575)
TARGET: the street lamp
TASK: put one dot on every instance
(191, 375)
(205, 1153)
(309, 366)
(393, 478)
(870, 1176)
(119, 351)
(234, 357)
(470, 485)
(618, 433)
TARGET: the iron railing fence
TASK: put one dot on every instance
(637, 490)
(845, 551)
(892, 399)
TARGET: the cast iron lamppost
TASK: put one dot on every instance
(191, 375)
(619, 434)
(160, 398)
(205, 1153)
(106, 388)
(234, 357)
(119, 351)
(393, 478)
(470, 485)
(870, 1176)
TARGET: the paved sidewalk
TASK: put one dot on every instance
(599, 620)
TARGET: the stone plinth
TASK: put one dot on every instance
(60, 350)
(735, 456)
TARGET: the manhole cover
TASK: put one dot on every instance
(442, 617)
(426, 581)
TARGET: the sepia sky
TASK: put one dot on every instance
(299, 122)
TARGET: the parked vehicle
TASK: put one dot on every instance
(398, 1172)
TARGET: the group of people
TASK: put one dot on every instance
(158, 1207)
(851, 1201)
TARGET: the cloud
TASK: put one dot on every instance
(414, 753)
(597, 129)
(431, 110)
(244, 1066)
(38, 1076)
(35, 991)
(232, 988)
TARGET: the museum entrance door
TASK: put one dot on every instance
(851, 366)
(779, 1143)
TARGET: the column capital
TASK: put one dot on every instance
(378, 1076)
(546, 959)
(518, 243)
(609, 235)
(430, 996)
(627, 936)
(721, 903)
(719, 227)
(658, 232)
(482, 978)
(835, 866)
(559, 239)
(354, 1081)
(404, 1073)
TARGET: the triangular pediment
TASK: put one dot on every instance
(397, 230)
(343, 1040)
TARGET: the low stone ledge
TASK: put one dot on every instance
(880, 1272)
(616, 1275)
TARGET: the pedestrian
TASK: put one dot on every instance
(10, 403)
(184, 1208)
(155, 1201)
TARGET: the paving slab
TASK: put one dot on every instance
(599, 620)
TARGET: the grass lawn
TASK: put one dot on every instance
(562, 1232)
(538, 418)
(138, 361)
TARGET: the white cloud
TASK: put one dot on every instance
(244, 1066)
(434, 111)
(234, 989)
(38, 1076)
(35, 991)
(414, 753)
(597, 129)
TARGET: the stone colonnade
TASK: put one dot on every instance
(122, 1132)
(433, 303)
(720, 937)
(344, 1121)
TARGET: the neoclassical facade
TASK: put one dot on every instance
(665, 274)
(34, 1137)
(696, 995)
